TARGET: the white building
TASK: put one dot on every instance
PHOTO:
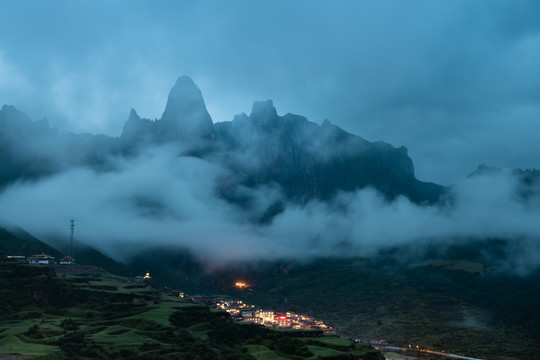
(41, 259)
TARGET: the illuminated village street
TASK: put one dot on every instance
(242, 312)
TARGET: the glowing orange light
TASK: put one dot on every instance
(240, 284)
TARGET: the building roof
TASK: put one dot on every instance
(42, 256)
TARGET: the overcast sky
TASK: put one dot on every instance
(456, 82)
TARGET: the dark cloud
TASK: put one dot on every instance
(454, 81)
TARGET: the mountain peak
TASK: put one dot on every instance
(483, 169)
(185, 83)
(186, 116)
(263, 111)
(12, 114)
(133, 116)
(184, 97)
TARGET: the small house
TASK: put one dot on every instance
(67, 260)
(17, 258)
(41, 259)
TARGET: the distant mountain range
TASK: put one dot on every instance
(527, 181)
(308, 161)
(30, 150)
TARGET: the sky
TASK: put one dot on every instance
(457, 82)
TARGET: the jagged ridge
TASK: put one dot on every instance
(309, 161)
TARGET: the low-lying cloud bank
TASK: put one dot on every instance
(163, 199)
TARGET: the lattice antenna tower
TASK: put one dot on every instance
(72, 227)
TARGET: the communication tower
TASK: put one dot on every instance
(71, 253)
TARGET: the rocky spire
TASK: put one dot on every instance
(263, 112)
(185, 116)
(135, 128)
(133, 116)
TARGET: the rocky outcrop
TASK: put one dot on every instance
(310, 161)
(307, 160)
(185, 117)
(185, 121)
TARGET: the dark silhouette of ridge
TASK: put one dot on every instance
(308, 161)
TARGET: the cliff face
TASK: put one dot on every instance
(311, 161)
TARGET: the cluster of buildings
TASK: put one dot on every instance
(42, 259)
(242, 312)
(59, 265)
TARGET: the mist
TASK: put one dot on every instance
(161, 199)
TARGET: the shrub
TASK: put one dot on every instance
(69, 325)
(34, 332)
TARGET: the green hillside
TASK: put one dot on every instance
(109, 317)
(16, 241)
(24, 244)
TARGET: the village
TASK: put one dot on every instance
(41, 259)
(242, 312)
(61, 265)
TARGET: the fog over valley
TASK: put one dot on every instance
(262, 186)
